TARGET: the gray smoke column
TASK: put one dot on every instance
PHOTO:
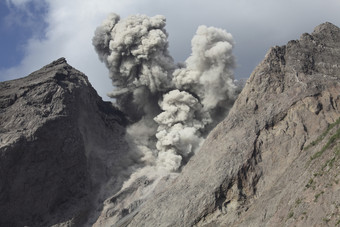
(135, 50)
(179, 128)
(209, 71)
(173, 109)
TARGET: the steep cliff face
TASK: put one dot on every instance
(274, 161)
(61, 148)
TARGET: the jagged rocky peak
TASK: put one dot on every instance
(328, 31)
(317, 52)
(274, 160)
(61, 147)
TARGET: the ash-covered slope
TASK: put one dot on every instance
(61, 148)
(274, 161)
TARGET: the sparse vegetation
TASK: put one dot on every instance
(338, 222)
(317, 196)
(323, 135)
(331, 140)
(329, 163)
(290, 214)
(326, 220)
(310, 182)
(318, 174)
(329, 185)
(298, 201)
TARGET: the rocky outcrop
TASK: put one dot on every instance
(274, 161)
(61, 149)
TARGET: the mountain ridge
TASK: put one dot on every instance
(223, 181)
(57, 153)
(273, 161)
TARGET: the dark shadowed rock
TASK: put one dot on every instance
(274, 161)
(62, 148)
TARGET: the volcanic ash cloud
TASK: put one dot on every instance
(172, 109)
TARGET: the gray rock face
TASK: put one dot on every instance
(274, 161)
(61, 148)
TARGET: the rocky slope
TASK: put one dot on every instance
(61, 148)
(274, 161)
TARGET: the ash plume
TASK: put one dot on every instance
(135, 50)
(178, 133)
(209, 71)
(172, 108)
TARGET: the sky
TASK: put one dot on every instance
(36, 32)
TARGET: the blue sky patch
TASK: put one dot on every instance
(17, 26)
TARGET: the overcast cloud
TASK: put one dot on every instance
(66, 28)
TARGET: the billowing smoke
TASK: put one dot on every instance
(209, 71)
(172, 108)
(135, 51)
(178, 133)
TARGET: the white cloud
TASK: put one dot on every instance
(17, 3)
(255, 27)
(70, 28)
